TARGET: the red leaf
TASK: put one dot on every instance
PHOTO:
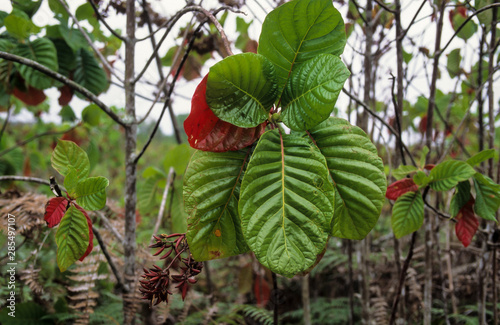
(32, 96)
(184, 290)
(429, 166)
(261, 291)
(54, 210)
(91, 233)
(422, 127)
(400, 187)
(207, 132)
(467, 223)
(66, 95)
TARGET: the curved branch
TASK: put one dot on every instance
(59, 77)
(36, 136)
(101, 18)
(25, 179)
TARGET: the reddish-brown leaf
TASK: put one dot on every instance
(261, 290)
(207, 132)
(400, 187)
(66, 95)
(54, 210)
(467, 223)
(32, 96)
(422, 126)
(429, 166)
(91, 233)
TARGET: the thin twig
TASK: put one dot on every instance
(90, 42)
(381, 4)
(276, 299)
(101, 18)
(4, 126)
(108, 257)
(108, 225)
(36, 136)
(161, 212)
(59, 77)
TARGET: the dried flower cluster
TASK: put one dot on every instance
(156, 280)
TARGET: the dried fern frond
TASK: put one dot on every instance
(29, 277)
(28, 210)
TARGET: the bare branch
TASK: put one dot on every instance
(4, 126)
(101, 18)
(59, 77)
(89, 41)
(161, 212)
(104, 250)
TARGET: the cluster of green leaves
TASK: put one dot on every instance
(63, 49)
(74, 236)
(286, 194)
(408, 211)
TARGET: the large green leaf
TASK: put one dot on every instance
(481, 156)
(448, 174)
(358, 177)
(407, 214)
(65, 57)
(72, 238)
(19, 24)
(460, 197)
(178, 158)
(487, 197)
(312, 91)
(91, 193)
(43, 51)
(67, 154)
(88, 73)
(298, 31)
(286, 203)
(241, 89)
(211, 192)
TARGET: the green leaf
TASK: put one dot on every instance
(177, 158)
(3, 14)
(67, 115)
(298, 31)
(421, 179)
(460, 198)
(65, 57)
(58, 9)
(487, 197)
(241, 89)
(88, 73)
(403, 170)
(468, 30)
(72, 238)
(481, 156)
(312, 92)
(453, 63)
(286, 203)
(448, 174)
(29, 7)
(71, 180)
(19, 25)
(67, 154)
(146, 195)
(73, 37)
(407, 214)
(211, 192)
(91, 193)
(43, 51)
(27, 313)
(154, 172)
(358, 177)
(92, 115)
(423, 155)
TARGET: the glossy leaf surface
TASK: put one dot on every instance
(407, 214)
(298, 31)
(487, 197)
(358, 177)
(241, 89)
(400, 187)
(312, 91)
(72, 238)
(286, 203)
(67, 155)
(207, 132)
(211, 192)
(448, 174)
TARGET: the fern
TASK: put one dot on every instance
(325, 311)
(260, 315)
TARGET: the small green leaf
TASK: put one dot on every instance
(448, 174)
(312, 91)
(460, 198)
(241, 89)
(403, 170)
(67, 114)
(453, 63)
(67, 154)
(358, 177)
(177, 158)
(298, 31)
(421, 179)
(211, 193)
(19, 25)
(154, 172)
(92, 115)
(487, 197)
(91, 193)
(481, 156)
(286, 203)
(72, 238)
(43, 51)
(407, 214)
(423, 155)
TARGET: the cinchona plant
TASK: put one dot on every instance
(254, 186)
